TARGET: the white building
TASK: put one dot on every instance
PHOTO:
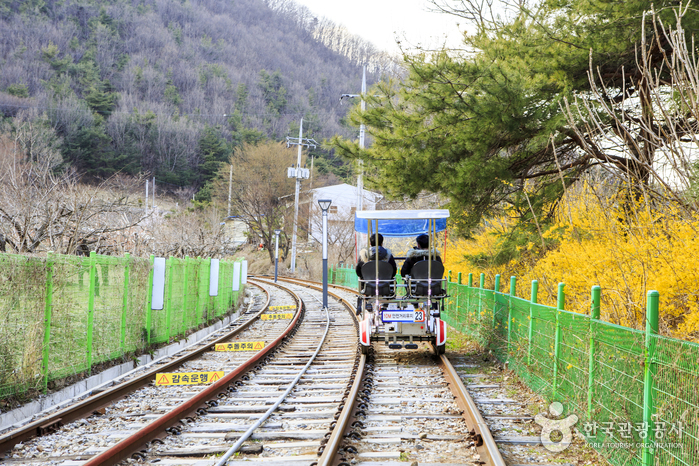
(344, 199)
(236, 230)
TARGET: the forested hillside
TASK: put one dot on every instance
(170, 87)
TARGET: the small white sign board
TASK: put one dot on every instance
(213, 278)
(245, 272)
(158, 297)
(236, 276)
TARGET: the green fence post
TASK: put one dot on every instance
(205, 268)
(557, 339)
(458, 278)
(48, 309)
(149, 301)
(480, 295)
(125, 302)
(186, 324)
(532, 301)
(449, 276)
(199, 311)
(91, 309)
(168, 298)
(468, 294)
(594, 317)
(513, 292)
(652, 317)
(496, 290)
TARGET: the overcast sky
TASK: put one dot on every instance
(381, 21)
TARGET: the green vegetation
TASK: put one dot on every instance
(519, 118)
(166, 89)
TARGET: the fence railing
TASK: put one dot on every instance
(63, 315)
(636, 393)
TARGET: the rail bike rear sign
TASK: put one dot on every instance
(240, 346)
(410, 316)
(284, 315)
(187, 378)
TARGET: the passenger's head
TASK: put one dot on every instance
(372, 240)
(423, 241)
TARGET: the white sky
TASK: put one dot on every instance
(381, 21)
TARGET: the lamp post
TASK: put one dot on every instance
(276, 253)
(324, 206)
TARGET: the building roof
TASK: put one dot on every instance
(344, 193)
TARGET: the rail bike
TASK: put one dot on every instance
(401, 313)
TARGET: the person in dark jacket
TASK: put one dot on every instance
(384, 254)
(420, 253)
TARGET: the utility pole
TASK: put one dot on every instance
(230, 189)
(298, 173)
(147, 197)
(153, 194)
(362, 132)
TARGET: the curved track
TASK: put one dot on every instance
(309, 397)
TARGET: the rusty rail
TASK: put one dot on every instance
(136, 442)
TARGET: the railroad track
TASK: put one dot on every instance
(309, 398)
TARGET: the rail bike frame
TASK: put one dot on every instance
(402, 314)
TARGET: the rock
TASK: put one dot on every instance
(253, 449)
(423, 436)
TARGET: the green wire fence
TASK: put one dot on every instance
(63, 315)
(636, 393)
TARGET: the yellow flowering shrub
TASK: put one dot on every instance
(627, 252)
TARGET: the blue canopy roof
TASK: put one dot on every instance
(400, 223)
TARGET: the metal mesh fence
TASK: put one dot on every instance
(634, 392)
(62, 315)
(343, 275)
(22, 309)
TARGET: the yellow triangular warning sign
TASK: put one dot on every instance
(215, 377)
(220, 347)
(258, 345)
(164, 380)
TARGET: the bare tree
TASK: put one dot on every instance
(663, 146)
(261, 189)
(41, 209)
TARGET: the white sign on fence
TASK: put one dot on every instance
(158, 297)
(213, 278)
(245, 272)
(236, 276)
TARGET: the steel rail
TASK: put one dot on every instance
(342, 424)
(263, 418)
(485, 443)
(135, 442)
(94, 402)
(132, 444)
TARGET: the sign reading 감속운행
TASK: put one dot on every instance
(279, 308)
(240, 346)
(286, 315)
(187, 378)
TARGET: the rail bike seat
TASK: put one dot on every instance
(385, 279)
(420, 276)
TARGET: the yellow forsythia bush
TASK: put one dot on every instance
(650, 249)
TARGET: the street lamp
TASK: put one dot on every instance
(276, 253)
(324, 206)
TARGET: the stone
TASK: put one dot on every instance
(251, 449)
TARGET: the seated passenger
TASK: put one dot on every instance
(419, 253)
(383, 255)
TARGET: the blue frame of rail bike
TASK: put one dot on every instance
(402, 228)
